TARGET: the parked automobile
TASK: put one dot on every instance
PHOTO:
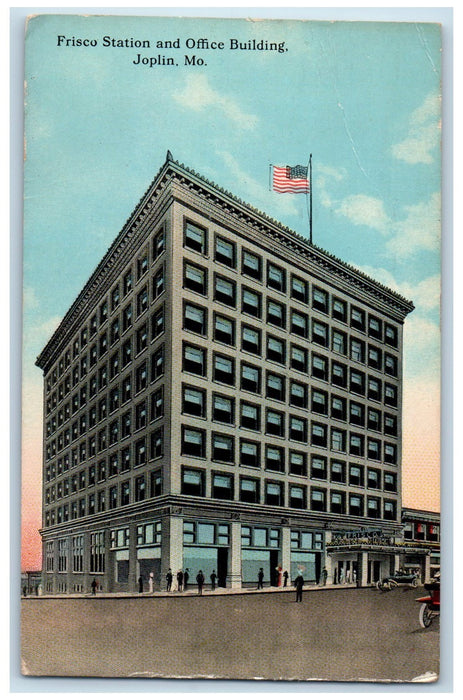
(400, 578)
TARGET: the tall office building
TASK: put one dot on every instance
(224, 396)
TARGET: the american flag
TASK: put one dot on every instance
(290, 179)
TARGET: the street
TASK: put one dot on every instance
(339, 635)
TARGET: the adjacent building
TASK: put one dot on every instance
(421, 533)
(222, 395)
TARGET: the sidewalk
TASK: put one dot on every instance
(192, 592)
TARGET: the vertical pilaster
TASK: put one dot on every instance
(427, 568)
(86, 562)
(362, 576)
(171, 546)
(328, 563)
(286, 549)
(234, 566)
(133, 563)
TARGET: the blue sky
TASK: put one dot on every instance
(363, 98)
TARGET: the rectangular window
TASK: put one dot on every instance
(275, 424)
(339, 310)
(298, 358)
(193, 442)
(274, 494)
(355, 505)
(225, 252)
(140, 489)
(355, 475)
(338, 407)
(224, 291)
(194, 360)
(374, 357)
(375, 327)
(298, 395)
(195, 238)
(297, 497)
(318, 500)
(338, 440)
(391, 335)
(142, 301)
(274, 458)
(357, 350)
(299, 289)
(319, 367)
(249, 491)
(319, 434)
(250, 340)
(373, 479)
(338, 471)
(249, 416)
(194, 401)
(276, 314)
(276, 277)
(249, 453)
(319, 300)
(318, 467)
(97, 553)
(251, 303)
(195, 319)
(276, 350)
(222, 486)
(320, 333)
(357, 318)
(250, 378)
(224, 369)
(297, 463)
(158, 282)
(224, 330)
(195, 278)
(297, 429)
(192, 482)
(320, 402)
(223, 448)
(275, 387)
(357, 413)
(251, 265)
(299, 324)
(223, 409)
(356, 444)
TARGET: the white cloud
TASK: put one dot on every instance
(423, 134)
(199, 95)
(425, 295)
(30, 300)
(363, 210)
(39, 334)
(420, 229)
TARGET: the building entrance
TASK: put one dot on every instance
(222, 566)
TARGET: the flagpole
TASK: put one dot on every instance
(310, 199)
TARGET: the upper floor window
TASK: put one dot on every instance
(319, 300)
(299, 289)
(276, 277)
(225, 252)
(195, 238)
(391, 335)
(251, 265)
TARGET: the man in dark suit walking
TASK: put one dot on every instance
(299, 583)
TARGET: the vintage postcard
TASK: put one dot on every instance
(231, 361)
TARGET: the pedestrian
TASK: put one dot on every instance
(186, 576)
(335, 577)
(180, 580)
(140, 584)
(200, 582)
(151, 582)
(324, 575)
(299, 583)
(213, 578)
(169, 580)
(285, 579)
(260, 578)
(279, 570)
(94, 585)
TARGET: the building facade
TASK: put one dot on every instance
(421, 535)
(224, 396)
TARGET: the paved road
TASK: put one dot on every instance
(352, 634)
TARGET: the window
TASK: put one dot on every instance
(142, 338)
(298, 395)
(338, 407)
(194, 319)
(225, 252)
(373, 507)
(224, 330)
(195, 278)
(223, 448)
(338, 440)
(141, 413)
(374, 419)
(299, 289)
(140, 489)
(355, 475)
(318, 500)
(390, 453)
(375, 327)
(319, 434)
(299, 324)
(78, 553)
(298, 358)
(276, 277)
(357, 318)
(126, 354)
(275, 424)
(373, 449)
(157, 363)
(158, 282)
(194, 360)
(250, 378)
(142, 264)
(223, 409)
(357, 350)
(250, 340)
(320, 402)
(391, 335)
(357, 382)
(390, 481)
(157, 443)
(195, 238)
(251, 265)
(249, 490)
(355, 505)
(126, 424)
(194, 401)
(297, 429)
(339, 342)
(251, 303)
(319, 367)
(97, 552)
(373, 479)
(142, 301)
(140, 452)
(275, 387)
(390, 395)
(356, 444)
(320, 333)
(374, 357)
(390, 365)
(156, 483)
(276, 313)
(319, 300)
(225, 291)
(224, 369)
(274, 458)
(249, 453)
(62, 556)
(222, 486)
(318, 467)
(297, 497)
(159, 244)
(249, 416)
(337, 502)
(141, 377)
(114, 333)
(274, 493)
(113, 497)
(357, 413)
(127, 282)
(127, 317)
(390, 510)
(390, 424)
(276, 350)
(338, 471)
(297, 463)
(374, 389)
(193, 442)
(339, 310)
